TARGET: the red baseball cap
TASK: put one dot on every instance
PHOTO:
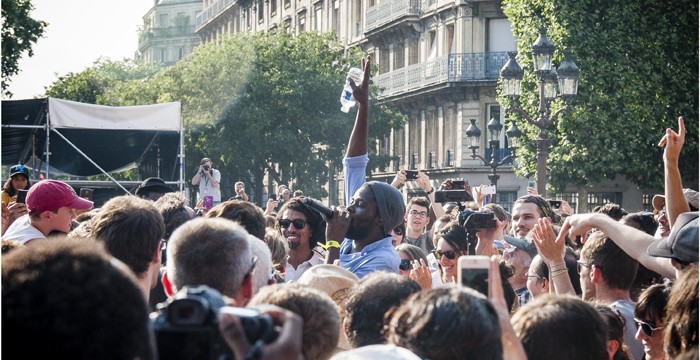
(51, 195)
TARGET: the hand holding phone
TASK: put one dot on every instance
(473, 271)
(86, 193)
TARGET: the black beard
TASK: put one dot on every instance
(357, 232)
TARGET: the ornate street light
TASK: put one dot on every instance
(474, 135)
(567, 75)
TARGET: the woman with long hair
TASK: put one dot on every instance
(19, 180)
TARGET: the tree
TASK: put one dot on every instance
(19, 33)
(638, 63)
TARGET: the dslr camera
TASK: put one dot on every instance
(205, 167)
(475, 220)
(457, 192)
(186, 325)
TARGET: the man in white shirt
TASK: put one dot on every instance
(208, 180)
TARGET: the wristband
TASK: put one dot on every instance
(558, 272)
(432, 190)
(331, 244)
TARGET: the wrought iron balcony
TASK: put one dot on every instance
(388, 11)
(463, 67)
(212, 11)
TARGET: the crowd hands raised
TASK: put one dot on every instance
(377, 278)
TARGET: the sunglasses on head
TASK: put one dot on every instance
(646, 327)
(298, 223)
(450, 254)
(405, 264)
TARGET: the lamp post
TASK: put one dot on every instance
(567, 76)
(474, 135)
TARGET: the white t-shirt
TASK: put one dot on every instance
(206, 187)
(21, 230)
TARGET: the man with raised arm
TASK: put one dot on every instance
(373, 208)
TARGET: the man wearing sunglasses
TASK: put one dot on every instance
(374, 208)
(303, 228)
(607, 273)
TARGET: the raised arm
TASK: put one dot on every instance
(357, 145)
(632, 241)
(672, 143)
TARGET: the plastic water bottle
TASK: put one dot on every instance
(346, 99)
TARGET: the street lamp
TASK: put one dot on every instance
(567, 77)
(474, 135)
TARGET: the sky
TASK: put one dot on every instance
(78, 33)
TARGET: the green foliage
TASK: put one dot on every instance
(638, 64)
(19, 33)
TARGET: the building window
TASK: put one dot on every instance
(569, 197)
(261, 12)
(414, 161)
(450, 158)
(506, 199)
(358, 17)
(180, 53)
(287, 3)
(318, 18)
(431, 160)
(646, 202)
(163, 19)
(384, 60)
(302, 22)
(450, 39)
(399, 55)
(163, 55)
(273, 8)
(413, 51)
(602, 198)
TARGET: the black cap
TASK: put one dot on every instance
(19, 169)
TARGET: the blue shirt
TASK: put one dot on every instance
(379, 255)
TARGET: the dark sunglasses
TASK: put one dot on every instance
(405, 264)
(450, 254)
(299, 224)
(646, 327)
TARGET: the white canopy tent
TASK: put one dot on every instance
(84, 139)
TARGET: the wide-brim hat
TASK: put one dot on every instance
(682, 242)
(691, 196)
(152, 184)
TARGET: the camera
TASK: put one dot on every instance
(205, 167)
(411, 174)
(474, 220)
(186, 325)
(457, 192)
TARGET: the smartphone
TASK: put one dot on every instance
(21, 196)
(207, 202)
(555, 204)
(411, 174)
(532, 184)
(473, 271)
(489, 190)
(273, 196)
(458, 184)
(86, 193)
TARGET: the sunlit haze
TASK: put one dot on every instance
(78, 33)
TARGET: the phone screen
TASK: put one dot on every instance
(477, 279)
(21, 196)
(411, 174)
(86, 193)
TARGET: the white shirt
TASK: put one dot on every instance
(292, 274)
(206, 187)
(21, 230)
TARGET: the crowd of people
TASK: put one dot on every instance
(377, 278)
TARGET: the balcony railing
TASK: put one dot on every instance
(388, 11)
(212, 11)
(443, 69)
(500, 154)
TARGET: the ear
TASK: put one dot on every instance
(157, 255)
(167, 286)
(405, 217)
(245, 293)
(545, 285)
(596, 275)
(613, 345)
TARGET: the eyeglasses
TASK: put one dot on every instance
(405, 264)
(579, 263)
(646, 327)
(421, 214)
(536, 277)
(450, 254)
(252, 266)
(299, 224)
